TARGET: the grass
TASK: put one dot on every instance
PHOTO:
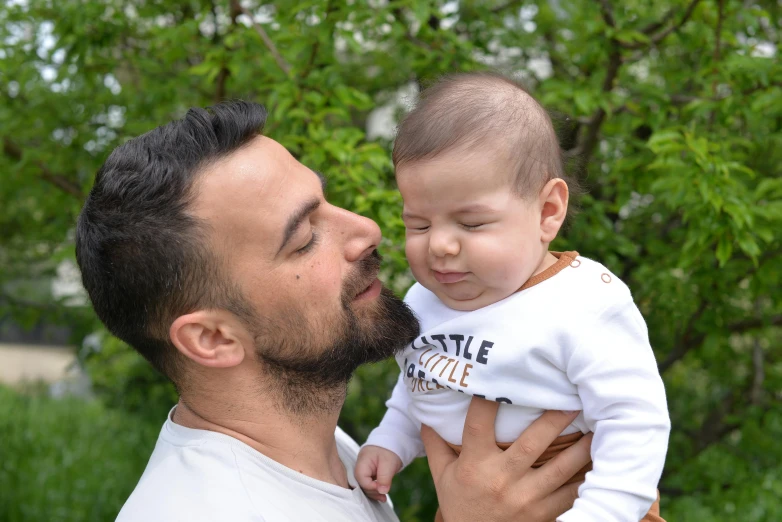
(65, 460)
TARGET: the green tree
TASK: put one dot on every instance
(670, 111)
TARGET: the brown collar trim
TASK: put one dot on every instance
(563, 260)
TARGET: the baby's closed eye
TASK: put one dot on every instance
(472, 226)
(422, 228)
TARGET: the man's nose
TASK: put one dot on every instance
(361, 235)
(442, 243)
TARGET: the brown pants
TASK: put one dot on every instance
(559, 445)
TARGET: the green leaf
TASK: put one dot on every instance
(724, 250)
(631, 36)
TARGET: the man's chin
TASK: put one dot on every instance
(394, 321)
(363, 334)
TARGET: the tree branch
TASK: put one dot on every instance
(586, 120)
(716, 57)
(758, 374)
(589, 141)
(718, 30)
(690, 341)
(754, 323)
(433, 23)
(222, 76)
(654, 26)
(720, 421)
(608, 13)
(687, 341)
(587, 145)
(281, 63)
(715, 426)
(684, 99)
(399, 15)
(316, 46)
(556, 63)
(659, 37)
(506, 5)
(13, 151)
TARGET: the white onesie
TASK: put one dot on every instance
(570, 339)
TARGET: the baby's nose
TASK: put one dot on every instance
(442, 244)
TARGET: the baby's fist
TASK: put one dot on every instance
(375, 468)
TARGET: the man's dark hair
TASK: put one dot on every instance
(484, 110)
(144, 258)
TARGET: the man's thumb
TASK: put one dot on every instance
(439, 454)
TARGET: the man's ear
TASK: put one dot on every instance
(553, 208)
(211, 338)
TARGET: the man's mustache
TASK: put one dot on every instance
(363, 275)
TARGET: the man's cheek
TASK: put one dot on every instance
(326, 282)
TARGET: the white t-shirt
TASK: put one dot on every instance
(571, 340)
(204, 476)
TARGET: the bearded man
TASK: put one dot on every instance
(212, 251)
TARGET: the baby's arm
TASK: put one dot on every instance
(390, 446)
(399, 432)
(624, 403)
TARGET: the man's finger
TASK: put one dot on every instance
(438, 452)
(538, 436)
(478, 435)
(559, 502)
(564, 465)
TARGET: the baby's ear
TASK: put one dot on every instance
(553, 201)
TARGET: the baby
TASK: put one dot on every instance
(479, 168)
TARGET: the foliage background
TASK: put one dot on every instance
(669, 110)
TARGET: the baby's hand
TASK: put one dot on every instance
(375, 468)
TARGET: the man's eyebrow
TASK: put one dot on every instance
(296, 219)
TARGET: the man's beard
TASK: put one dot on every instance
(311, 364)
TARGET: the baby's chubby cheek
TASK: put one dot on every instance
(416, 257)
(497, 263)
(510, 271)
(503, 274)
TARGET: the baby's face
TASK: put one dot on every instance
(469, 239)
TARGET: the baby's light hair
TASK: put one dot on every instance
(470, 110)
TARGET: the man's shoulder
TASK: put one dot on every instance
(346, 442)
(203, 476)
(197, 482)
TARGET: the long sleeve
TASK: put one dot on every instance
(624, 404)
(398, 431)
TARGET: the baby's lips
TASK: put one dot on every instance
(449, 277)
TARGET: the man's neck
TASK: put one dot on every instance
(302, 442)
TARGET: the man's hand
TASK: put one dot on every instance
(491, 485)
(375, 469)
